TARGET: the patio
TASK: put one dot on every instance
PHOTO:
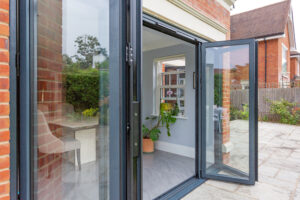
(279, 169)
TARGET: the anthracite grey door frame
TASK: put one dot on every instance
(117, 140)
(252, 111)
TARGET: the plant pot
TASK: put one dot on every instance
(148, 145)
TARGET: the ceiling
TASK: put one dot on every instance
(155, 40)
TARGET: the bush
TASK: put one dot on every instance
(235, 113)
(218, 90)
(285, 111)
(83, 90)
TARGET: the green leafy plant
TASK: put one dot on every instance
(245, 112)
(91, 112)
(164, 119)
(235, 113)
(285, 111)
(218, 89)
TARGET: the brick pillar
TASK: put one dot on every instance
(4, 101)
(226, 83)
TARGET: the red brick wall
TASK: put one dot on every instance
(212, 9)
(274, 61)
(294, 65)
(4, 100)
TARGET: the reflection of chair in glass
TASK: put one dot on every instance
(50, 144)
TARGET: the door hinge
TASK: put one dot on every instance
(129, 54)
(18, 64)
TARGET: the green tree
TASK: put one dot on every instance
(88, 46)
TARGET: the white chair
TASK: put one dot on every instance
(50, 144)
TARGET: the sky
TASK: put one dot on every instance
(245, 5)
(85, 17)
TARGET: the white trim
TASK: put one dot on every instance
(173, 14)
(201, 16)
(270, 38)
(175, 149)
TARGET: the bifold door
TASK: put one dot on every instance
(229, 138)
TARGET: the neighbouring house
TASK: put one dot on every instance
(295, 68)
(273, 27)
(80, 80)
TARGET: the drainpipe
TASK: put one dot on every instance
(266, 62)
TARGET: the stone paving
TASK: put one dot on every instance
(279, 169)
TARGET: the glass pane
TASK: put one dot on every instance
(227, 117)
(71, 100)
(171, 160)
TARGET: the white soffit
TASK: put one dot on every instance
(155, 40)
(167, 11)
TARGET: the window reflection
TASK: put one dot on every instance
(72, 100)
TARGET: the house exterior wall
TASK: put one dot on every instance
(272, 68)
(285, 41)
(207, 19)
(274, 62)
(294, 66)
(4, 101)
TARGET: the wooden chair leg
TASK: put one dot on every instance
(78, 158)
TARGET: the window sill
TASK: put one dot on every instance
(177, 117)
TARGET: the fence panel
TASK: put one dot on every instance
(240, 97)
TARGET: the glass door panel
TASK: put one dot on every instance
(228, 105)
(71, 100)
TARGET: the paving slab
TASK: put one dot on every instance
(279, 168)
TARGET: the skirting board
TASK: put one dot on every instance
(175, 149)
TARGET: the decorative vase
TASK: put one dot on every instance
(148, 145)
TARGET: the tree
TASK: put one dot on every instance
(88, 46)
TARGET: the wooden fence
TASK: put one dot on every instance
(240, 97)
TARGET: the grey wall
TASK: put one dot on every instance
(183, 131)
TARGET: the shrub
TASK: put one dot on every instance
(235, 113)
(218, 89)
(83, 90)
(285, 111)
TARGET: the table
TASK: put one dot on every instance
(84, 131)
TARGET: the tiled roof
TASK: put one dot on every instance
(262, 22)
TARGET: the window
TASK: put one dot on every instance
(284, 60)
(298, 69)
(169, 79)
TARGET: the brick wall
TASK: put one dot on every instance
(294, 65)
(212, 9)
(274, 61)
(4, 100)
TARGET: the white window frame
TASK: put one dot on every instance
(157, 86)
(284, 52)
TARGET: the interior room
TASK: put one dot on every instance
(168, 81)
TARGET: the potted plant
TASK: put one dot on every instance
(165, 118)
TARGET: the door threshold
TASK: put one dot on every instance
(182, 189)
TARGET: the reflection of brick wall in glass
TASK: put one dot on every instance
(49, 95)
